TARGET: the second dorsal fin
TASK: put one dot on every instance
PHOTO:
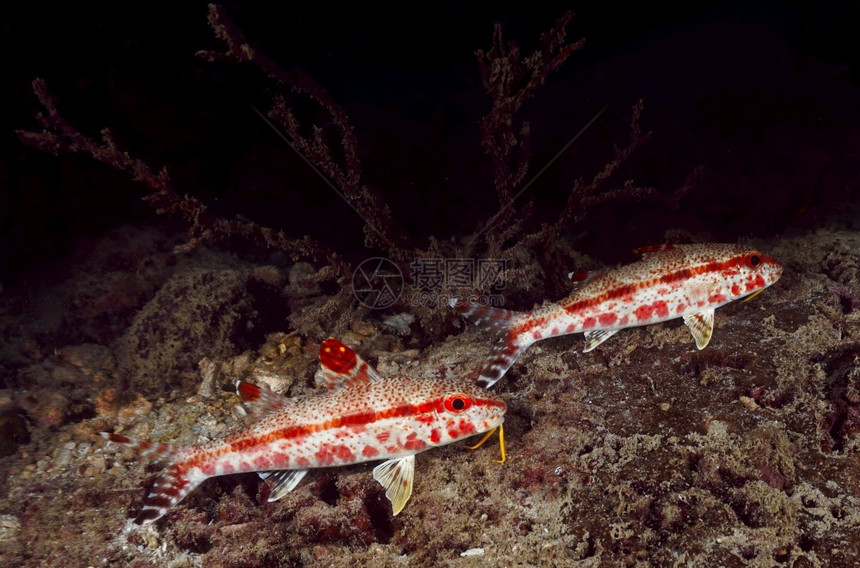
(651, 250)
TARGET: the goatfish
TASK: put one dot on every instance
(361, 417)
(670, 281)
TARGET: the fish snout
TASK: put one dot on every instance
(774, 270)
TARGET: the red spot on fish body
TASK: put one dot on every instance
(262, 462)
(589, 322)
(466, 427)
(345, 454)
(325, 455)
(661, 308)
(624, 320)
(607, 319)
(302, 461)
(208, 469)
(369, 452)
(755, 283)
(736, 290)
(280, 460)
(536, 334)
(643, 312)
(227, 469)
(717, 298)
(570, 328)
(435, 436)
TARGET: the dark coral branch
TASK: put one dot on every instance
(59, 135)
(329, 145)
(346, 177)
(511, 80)
(588, 195)
(583, 196)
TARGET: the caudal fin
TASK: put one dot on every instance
(174, 483)
(509, 345)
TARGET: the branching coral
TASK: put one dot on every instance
(327, 141)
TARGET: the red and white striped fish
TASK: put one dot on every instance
(671, 281)
(362, 417)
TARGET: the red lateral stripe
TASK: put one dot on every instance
(670, 278)
(359, 419)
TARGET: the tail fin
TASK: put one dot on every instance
(509, 346)
(172, 485)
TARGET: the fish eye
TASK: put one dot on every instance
(457, 402)
(754, 260)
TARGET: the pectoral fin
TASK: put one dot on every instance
(284, 481)
(701, 325)
(396, 476)
(596, 337)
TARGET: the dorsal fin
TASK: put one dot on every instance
(260, 401)
(582, 278)
(651, 250)
(340, 366)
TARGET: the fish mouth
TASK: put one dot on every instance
(773, 270)
(777, 271)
